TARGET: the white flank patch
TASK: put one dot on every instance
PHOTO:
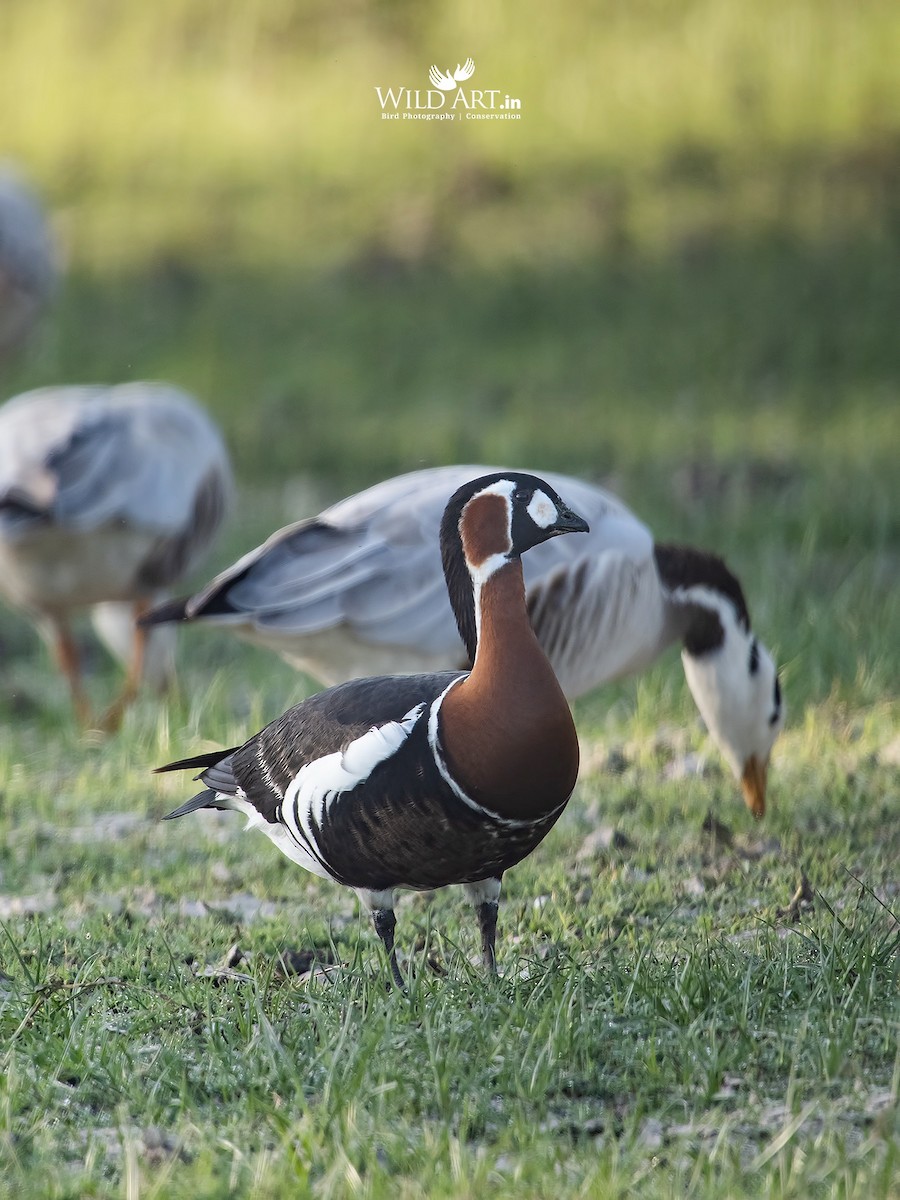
(276, 832)
(314, 786)
(542, 510)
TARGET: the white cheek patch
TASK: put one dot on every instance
(542, 510)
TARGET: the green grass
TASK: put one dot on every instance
(678, 274)
(658, 1023)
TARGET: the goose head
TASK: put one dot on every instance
(734, 682)
(490, 522)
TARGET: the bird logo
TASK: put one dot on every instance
(447, 82)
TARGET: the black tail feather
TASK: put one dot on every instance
(211, 759)
(169, 610)
(204, 799)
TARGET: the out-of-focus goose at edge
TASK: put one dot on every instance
(28, 260)
(359, 590)
(108, 495)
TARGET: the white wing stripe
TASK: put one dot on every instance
(318, 783)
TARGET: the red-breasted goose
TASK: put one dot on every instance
(108, 495)
(359, 590)
(420, 781)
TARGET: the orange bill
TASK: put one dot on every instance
(753, 785)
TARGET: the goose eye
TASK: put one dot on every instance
(521, 495)
(753, 665)
(777, 700)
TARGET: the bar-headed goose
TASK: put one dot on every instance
(359, 589)
(108, 495)
(420, 781)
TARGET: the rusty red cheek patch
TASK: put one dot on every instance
(484, 528)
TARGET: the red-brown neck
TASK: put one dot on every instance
(507, 731)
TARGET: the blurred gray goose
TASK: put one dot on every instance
(108, 495)
(420, 781)
(359, 589)
(28, 260)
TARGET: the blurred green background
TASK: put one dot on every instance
(677, 273)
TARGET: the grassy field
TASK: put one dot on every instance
(664, 1021)
(678, 274)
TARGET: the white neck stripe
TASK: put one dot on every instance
(706, 597)
(484, 570)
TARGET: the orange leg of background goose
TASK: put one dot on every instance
(67, 658)
(112, 718)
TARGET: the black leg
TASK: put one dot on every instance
(487, 920)
(385, 922)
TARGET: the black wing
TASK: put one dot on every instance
(263, 768)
